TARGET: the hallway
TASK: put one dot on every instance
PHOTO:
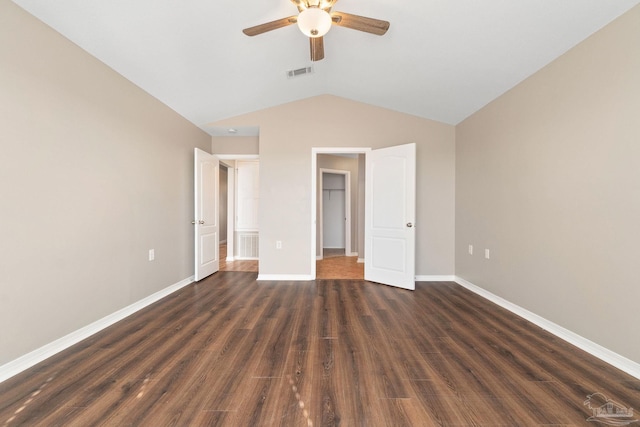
(334, 265)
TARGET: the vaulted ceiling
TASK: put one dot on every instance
(440, 59)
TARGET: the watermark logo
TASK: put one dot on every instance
(607, 411)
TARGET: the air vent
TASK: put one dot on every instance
(299, 72)
(247, 245)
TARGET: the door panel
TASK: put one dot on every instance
(390, 216)
(207, 236)
(389, 254)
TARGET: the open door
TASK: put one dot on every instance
(390, 207)
(207, 236)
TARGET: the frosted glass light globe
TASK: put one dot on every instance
(314, 22)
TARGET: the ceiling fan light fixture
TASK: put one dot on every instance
(314, 22)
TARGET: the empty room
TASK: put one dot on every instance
(319, 213)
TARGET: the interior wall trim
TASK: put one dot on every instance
(23, 363)
(284, 277)
(602, 353)
(436, 278)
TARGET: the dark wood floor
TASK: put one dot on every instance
(229, 351)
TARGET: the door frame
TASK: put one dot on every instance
(347, 209)
(314, 178)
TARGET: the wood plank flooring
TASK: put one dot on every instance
(334, 265)
(339, 267)
(237, 265)
(229, 351)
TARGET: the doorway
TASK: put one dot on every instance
(336, 259)
(339, 220)
(334, 231)
(386, 201)
(238, 231)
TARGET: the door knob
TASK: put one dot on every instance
(409, 225)
(201, 222)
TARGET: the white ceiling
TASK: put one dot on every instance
(440, 59)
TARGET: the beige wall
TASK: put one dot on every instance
(93, 173)
(287, 134)
(234, 144)
(548, 178)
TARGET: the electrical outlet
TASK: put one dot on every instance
(278, 244)
(152, 254)
(487, 254)
(470, 249)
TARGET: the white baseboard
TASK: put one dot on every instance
(352, 254)
(319, 258)
(16, 366)
(230, 259)
(284, 277)
(22, 363)
(435, 278)
(360, 260)
(602, 353)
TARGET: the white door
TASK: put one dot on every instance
(390, 192)
(207, 237)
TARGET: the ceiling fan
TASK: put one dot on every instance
(315, 19)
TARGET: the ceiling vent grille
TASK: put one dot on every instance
(291, 74)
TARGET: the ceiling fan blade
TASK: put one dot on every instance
(317, 48)
(269, 26)
(360, 23)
